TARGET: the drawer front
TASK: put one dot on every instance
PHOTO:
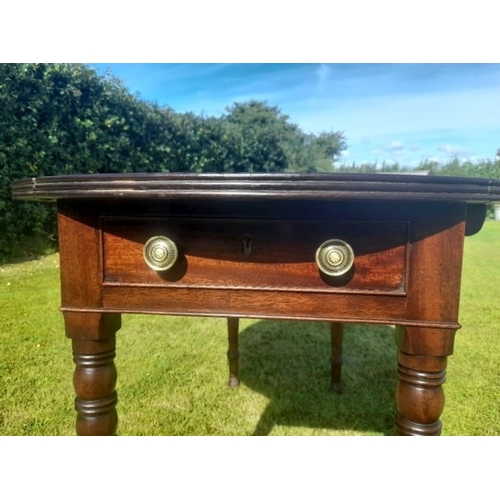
(257, 254)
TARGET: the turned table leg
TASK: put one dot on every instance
(93, 339)
(233, 353)
(422, 357)
(337, 338)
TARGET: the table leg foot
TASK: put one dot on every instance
(422, 358)
(419, 395)
(233, 353)
(336, 360)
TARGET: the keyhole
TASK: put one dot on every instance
(247, 245)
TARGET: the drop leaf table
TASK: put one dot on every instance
(336, 248)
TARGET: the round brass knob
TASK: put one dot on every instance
(160, 253)
(334, 257)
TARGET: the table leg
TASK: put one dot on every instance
(337, 338)
(422, 357)
(233, 353)
(93, 338)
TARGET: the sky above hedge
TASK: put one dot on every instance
(389, 112)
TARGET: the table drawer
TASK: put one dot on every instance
(257, 254)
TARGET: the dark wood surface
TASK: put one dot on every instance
(247, 248)
(214, 249)
(287, 186)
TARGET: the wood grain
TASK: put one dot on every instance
(282, 253)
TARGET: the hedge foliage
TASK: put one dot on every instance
(60, 119)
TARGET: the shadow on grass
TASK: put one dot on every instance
(288, 362)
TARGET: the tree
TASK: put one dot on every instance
(319, 153)
(259, 134)
(270, 142)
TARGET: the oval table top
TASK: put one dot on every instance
(334, 186)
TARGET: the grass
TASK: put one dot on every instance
(172, 371)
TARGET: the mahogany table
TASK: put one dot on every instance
(383, 249)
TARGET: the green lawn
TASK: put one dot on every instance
(172, 371)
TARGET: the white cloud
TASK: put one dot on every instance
(395, 146)
(453, 150)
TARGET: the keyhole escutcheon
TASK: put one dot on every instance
(247, 245)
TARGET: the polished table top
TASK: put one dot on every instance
(252, 186)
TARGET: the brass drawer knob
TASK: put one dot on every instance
(335, 257)
(160, 253)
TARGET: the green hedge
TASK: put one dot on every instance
(67, 119)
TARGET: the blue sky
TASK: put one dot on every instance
(388, 112)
